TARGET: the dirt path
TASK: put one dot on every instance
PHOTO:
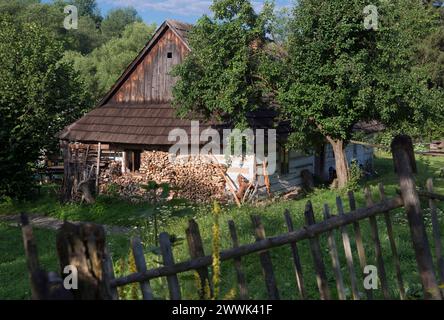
(54, 224)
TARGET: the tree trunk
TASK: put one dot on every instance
(341, 162)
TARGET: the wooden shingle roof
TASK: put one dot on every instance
(127, 124)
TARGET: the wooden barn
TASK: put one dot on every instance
(129, 130)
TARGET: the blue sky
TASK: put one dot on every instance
(159, 10)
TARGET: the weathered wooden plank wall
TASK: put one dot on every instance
(151, 80)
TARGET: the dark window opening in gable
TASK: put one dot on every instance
(169, 55)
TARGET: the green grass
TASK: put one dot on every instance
(14, 282)
(174, 219)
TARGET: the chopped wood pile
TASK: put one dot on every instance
(437, 146)
(197, 180)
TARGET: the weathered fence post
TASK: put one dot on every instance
(377, 243)
(405, 166)
(265, 258)
(139, 259)
(243, 291)
(195, 246)
(359, 242)
(436, 233)
(335, 257)
(168, 260)
(348, 252)
(38, 278)
(83, 246)
(388, 223)
(316, 253)
(296, 258)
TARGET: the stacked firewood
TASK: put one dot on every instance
(197, 180)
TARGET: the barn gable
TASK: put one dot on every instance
(148, 79)
(137, 110)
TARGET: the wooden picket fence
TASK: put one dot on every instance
(85, 247)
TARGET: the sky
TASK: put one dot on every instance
(160, 10)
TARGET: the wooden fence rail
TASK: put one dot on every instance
(408, 199)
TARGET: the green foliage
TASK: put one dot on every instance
(102, 67)
(39, 95)
(355, 176)
(219, 78)
(341, 74)
(87, 8)
(117, 20)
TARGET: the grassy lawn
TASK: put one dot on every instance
(173, 218)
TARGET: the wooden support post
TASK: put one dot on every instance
(388, 223)
(265, 258)
(436, 234)
(316, 253)
(139, 259)
(37, 277)
(168, 260)
(335, 258)
(99, 155)
(67, 173)
(83, 246)
(196, 249)
(348, 252)
(243, 291)
(405, 167)
(377, 243)
(296, 258)
(124, 160)
(359, 242)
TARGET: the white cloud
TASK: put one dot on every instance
(179, 7)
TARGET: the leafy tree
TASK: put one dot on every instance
(50, 16)
(339, 73)
(116, 21)
(88, 8)
(39, 95)
(219, 78)
(101, 68)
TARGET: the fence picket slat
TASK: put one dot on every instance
(377, 243)
(436, 233)
(348, 252)
(335, 258)
(139, 259)
(195, 246)
(108, 270)
(243, 291)
(388, 223)
(168, 260)
(359, 242)
(296, 258)
(316, 253)
(265, 258)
